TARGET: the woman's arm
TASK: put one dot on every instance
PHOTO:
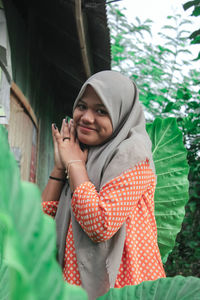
(50, 207)
(102, 214)
(54, 187)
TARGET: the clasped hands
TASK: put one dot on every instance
(66, 146)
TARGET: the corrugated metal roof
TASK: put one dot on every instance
(52, 35)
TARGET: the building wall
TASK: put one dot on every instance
(29, 76)
(47, 63)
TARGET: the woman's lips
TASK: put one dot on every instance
(85, 128)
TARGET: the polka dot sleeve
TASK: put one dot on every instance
(50, 207)
(102, 214)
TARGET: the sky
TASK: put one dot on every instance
(153, 8)
(158, 10)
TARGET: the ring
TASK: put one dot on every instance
(66, 138)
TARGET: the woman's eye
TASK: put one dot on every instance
(102, 112)
(81, 106)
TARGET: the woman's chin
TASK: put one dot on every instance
(85, 141)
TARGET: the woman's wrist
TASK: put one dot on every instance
(56, 172)
(77, 174)
(70, 163)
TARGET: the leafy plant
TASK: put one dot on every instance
(28, 267)
(178, 288)
(195, 36)
(167, 90)
(171, 193)
(157, 69)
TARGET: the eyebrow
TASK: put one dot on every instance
(97, 105)
(100, 105)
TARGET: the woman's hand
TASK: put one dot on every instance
(57, 159)
(68, 149)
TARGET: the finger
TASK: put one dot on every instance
(54, 129)
(72, 131)
(65, 126)
(56, 134)
(62, 128)
(55, 143)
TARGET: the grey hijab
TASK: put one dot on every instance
(98, 263)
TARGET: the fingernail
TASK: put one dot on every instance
(54, 125)
(67, 119)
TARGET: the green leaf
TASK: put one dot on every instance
(196, 11)
(119, 13)
(169, 107)
(164, 90)
(169, 27)
(198, 57)
(194, 34)
(163, 49)
(161, 99)
(178, 288)
(183, 93)
(171, 193)
(27, 239)
(190, 4)
(4, 282)
(196, 40)
(193, 104)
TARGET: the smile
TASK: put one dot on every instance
(85, 128)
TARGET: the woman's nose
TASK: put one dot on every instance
(88, 116)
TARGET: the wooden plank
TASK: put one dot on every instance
(20, 132)
(24, 102)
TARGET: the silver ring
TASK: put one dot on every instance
(66, 138)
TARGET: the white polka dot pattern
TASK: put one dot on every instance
(126, 198)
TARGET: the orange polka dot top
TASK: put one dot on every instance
(127, 198)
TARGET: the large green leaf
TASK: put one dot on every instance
(28, 266)
(176, 288)
(171, 193)
(28, 269)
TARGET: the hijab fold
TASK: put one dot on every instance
(98, 263)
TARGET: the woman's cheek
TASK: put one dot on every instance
(75, 117)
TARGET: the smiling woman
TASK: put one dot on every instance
(106, 229)
(91, 119)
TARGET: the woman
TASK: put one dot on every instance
(106, 230)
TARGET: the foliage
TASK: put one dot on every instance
(171, 193)
(157, 69)
(178, 288)
(28, 267)
(195, 36)
(166, 89)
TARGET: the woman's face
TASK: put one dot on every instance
(91, 119)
